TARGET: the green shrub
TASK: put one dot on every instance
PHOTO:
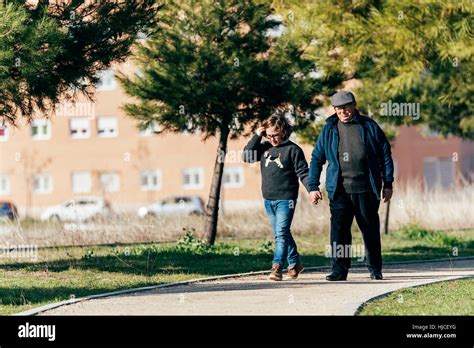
(438, 238)
(88, 254)
(415, 232)
(190, 243)
(266, 247)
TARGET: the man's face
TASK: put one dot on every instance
(345, 112)
(274, 136)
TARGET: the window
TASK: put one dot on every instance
(181, 200)
(81, 182)
(150, 130)
(233, 177)
(150, 180)
(438, 172)
(4, 185)
(106, 81)
(79, 127)
(3, 133)
(41, 129)
(107, 127)
(110, 182)
(193, 178)
(42, 183)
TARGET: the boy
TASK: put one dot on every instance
(282, 163)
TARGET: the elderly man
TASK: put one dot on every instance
(359, 163)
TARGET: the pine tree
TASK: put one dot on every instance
(411, 51)
(54, 50)
(214, 67)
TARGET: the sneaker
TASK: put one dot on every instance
(297, 269)
(277, 273)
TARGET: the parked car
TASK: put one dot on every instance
(78, 209)
(174, 205)
(8, 210)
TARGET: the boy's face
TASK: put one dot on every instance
(274, 136)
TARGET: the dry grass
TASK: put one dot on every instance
(120, 229)
(443, 210)
(437, 209)
(434, 210)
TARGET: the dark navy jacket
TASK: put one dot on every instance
(379, 155)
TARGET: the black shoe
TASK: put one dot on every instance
(376, 275)
(334, 277)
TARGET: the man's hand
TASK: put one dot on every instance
(315, 196)
(387, 194)
(260, 131)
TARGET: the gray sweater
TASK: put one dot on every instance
(354, 172)
(280, 166)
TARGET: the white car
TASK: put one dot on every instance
(174, 205)
(78, 209)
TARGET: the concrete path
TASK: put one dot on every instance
(310, 294)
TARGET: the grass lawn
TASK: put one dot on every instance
(454, 297)
(60, 273)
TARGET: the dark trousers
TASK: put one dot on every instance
(364, 206)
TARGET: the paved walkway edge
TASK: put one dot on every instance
(54, 305)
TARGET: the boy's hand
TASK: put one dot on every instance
(315, 196)
(260, 131)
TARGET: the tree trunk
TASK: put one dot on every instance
(212, 209)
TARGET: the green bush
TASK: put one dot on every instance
(415, 232)
(266, 247)
(438, 238)
(88, 254)
(190, 243)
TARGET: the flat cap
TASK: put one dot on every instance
(342, 98)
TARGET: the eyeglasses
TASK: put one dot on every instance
(344, 107)
(273, 136)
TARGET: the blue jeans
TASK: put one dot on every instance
(281, 214)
